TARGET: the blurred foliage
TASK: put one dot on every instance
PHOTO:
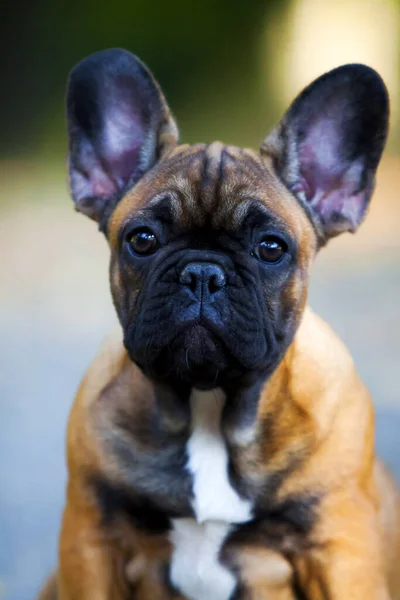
(203, 54)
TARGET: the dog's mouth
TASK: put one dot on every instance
(199, 352)
(196, 356)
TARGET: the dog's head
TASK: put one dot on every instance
(211, 245)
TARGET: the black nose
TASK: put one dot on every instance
(203, 278)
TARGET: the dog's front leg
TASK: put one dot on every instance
(90, 564)
(347, 560)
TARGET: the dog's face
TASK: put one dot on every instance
(212, 245)
(210, 257)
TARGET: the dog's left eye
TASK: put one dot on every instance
(271, 249)
(143, 242)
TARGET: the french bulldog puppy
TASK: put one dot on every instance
(221, 445)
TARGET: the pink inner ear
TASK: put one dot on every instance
(107, 166)
(339, 207)
(123, 137)
(94, 185)
(320, 163)
(89, 179)
(102, 186)
(329, 182)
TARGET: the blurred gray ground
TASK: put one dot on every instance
(55, 309)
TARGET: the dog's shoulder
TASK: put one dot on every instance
(323, 376)
(317, 344)
(102, 373)
(105, 367)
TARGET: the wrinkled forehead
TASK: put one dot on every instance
(216, 186)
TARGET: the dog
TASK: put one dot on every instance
(221, 445)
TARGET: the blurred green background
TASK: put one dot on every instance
(229, 68)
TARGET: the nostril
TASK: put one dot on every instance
(192, 284)
(188, 278)
(216, 281)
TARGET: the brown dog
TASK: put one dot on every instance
(223, 446)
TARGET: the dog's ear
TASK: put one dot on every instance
(328, 145)
(119, 125)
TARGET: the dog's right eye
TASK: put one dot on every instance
(143, 242)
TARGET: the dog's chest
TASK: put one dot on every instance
(195, 567)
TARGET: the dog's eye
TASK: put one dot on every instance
(143, 242)
(270, 249)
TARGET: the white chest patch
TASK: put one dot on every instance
(214, 497)
(195, 567)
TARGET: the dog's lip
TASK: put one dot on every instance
(201, 375)
(200, 324)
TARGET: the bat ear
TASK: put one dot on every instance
(119, 125)
(328, 145)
